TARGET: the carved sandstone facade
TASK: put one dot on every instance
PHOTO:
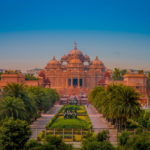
(73, 72)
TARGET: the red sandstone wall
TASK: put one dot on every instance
(32, 82)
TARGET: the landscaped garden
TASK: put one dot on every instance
(71, 127)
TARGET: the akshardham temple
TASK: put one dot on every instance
(74, 71)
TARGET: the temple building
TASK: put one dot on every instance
(73, 72)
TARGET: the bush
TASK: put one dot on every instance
(54, 140)
(31, 144)
(147, 115)
(67, 136)
(123, 138)
(133, 125)
(102, 136)
(52, 121)
(138, 131)
(60, 110)
(73, 107)
(142, 122)
(148, 125)
(41, 136)
(128, 123)
(14, 134)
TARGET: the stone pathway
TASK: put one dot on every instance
(41, 122)
(99, 123)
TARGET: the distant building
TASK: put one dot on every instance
(34, 71)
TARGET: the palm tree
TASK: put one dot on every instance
(20, 91)
(12, 107)
(13, 89)
(30, 77)
(126, 104)
(94, 92)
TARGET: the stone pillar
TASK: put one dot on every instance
(78, 82)
(66, 82)
(83, 82)
(71, 82)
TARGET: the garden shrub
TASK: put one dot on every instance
(54, 140)
(102, 136)
(123, 138)
(60, 110)
(133, 125)
(142, 122)
(138, 131)
(69, 136)
(40, 136)
(148, 125)
(73, 107)
(32, 144)
(147, 115)
(84, 109)
(129, 123)
(52, 121)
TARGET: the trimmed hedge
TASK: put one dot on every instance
(67, 136)
(73, 107)
(52, 121)
(41, 136)
(60, 110)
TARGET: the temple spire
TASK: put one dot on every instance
(75, 45)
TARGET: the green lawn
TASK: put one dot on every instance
(70, 123)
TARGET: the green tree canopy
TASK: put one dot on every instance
(12, 107)
(14, 134)
(118, 74)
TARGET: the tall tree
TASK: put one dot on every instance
(118, 74)
(126, 103)
(14, 134)
(12, 107)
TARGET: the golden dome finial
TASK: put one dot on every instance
(75, 45)
(54, 57)
(75, 55)
(96, 57)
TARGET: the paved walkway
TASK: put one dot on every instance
(41, 122)
(99, 123)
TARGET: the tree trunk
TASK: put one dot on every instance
(125, 123)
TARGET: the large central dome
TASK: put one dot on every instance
(75, 51)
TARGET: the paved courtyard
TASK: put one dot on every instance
(99, 123)
(41, 122)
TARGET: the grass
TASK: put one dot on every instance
(70, 123)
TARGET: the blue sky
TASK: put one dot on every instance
(31, 32)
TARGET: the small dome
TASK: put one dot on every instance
(75, 51)
(96, 61)
(64, 57)
(86, 57)
(97, 64)
(41, 73)
(53, 61)
(75, 62)
(53, 64)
